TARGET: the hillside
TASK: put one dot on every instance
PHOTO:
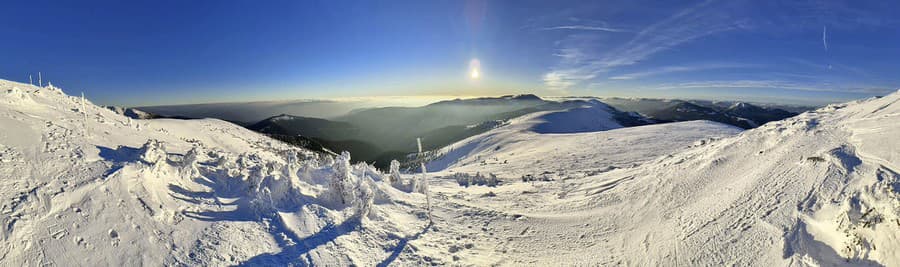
(84, 186)
(396, 128)
(384, 134)
(134, 113)
(818, 189)
(756, 114)
(560, 187)
(311, 127)
(250, 112)
(740, 114)
(575, 131)
(379, 135)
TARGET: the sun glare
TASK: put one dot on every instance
(474, 69)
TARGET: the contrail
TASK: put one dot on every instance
(824, 42)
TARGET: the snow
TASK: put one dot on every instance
(577, 139)
(750, 122)
(78, 182)
(819, 189)
(90, 187)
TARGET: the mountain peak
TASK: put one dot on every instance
(744, 106)
(527, 98)
(524, 97)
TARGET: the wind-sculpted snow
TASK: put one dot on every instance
(93, 188)
(86, 186)
(819, 189)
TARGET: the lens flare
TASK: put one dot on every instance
(474, 69)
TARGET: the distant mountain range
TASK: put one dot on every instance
(741, 114)
(133, 113)
(246, 113)
(381, 134)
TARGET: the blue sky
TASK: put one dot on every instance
(168, 52)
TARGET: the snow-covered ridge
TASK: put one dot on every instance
(79, 179)
(819, 189)
(575, 130)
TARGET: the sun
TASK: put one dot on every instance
(474, 69)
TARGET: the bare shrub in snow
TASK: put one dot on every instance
(466, 180)
(531, 178)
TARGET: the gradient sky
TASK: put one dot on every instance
(170, 52)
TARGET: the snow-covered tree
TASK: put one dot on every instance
(348, 189)
(153, 151)
(397, 181)
(395, 172)
(341, 177)
(291, 168)
(189, 161)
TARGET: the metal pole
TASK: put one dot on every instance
(84, 111)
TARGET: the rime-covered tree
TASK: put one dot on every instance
(350, 190)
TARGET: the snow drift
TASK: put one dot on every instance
(821, 188)
(563, 188)
(818, 189)
(78, 179)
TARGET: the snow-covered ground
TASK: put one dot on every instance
(546, 220)
(819, 189)
(86, 186)
(578, 140)
(83, 186)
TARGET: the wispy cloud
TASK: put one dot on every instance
(678, 69)
(560, 81)
(824, 41)
(739, 84)
(585, 56)
(585, 28)
(777, 84)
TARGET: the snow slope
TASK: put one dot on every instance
(86, 186)
(818, 189)
(83, 186)
(541, 222)
(540, 140)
